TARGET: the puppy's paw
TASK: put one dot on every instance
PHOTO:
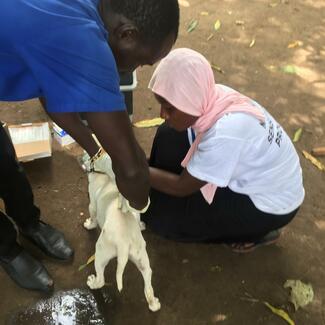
(90, 224)
(154, 304)
(142, 225)
(94, 283)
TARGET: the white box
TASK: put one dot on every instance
(31, 140)
(62, 136)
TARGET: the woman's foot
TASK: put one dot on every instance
(247, 247)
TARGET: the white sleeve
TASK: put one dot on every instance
(216, 159)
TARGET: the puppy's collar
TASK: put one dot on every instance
(91, 169)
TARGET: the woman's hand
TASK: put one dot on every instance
(173, 184)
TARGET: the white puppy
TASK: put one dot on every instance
(120, 236)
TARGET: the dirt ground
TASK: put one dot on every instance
(196, 282)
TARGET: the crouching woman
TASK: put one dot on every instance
(222, 169)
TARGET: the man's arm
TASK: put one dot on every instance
(115, 134)
(71, 123)
(173, 184)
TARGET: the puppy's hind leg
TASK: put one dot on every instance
(141, 260)
(122, 259)
(91, 223)
(104, 253)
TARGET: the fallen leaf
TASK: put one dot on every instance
(209, 37)
(273, 4)
(90, 260)
(149, 123)
(217, 24)
(184, 3)
(301, 293)
(320, 224)
(253, 300)
(216, 268)
(217, 68)
(271, 67)
(297, 135)
(313, 160)
(292, 69)
(252, 43)
(239, 22)
(280, 312)
(219, 318)
(318, 151)
(192, 25)
(204, 13)
(295, 44)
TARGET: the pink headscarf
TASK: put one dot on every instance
(185, 79)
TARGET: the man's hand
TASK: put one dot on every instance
(124, 205)
(101, 164)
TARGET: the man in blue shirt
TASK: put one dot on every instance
(68, 54)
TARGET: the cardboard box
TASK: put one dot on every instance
(31, 140)
(62, 136)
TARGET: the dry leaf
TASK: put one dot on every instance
(301, 293)
(273, 4)
(217, 24)
(184, 3)
(280, 312)
(149, 123)
(320, 224)
(297, 135)
(313, 160)
(292, 69)
(209, 37)
(271, 67)
(318, 151)
(295, 44)
(239, 22)
(192, 25)
(90, 260)
(216, 268)
(252, 43)
(219, 318)
(215, 67)
(204, 13)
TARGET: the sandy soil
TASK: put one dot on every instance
(195, 283)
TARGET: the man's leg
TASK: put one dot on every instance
(17, 195)
(19, 203)
(19, 265)
(9, 247)
(15, 189)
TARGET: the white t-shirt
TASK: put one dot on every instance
(251, 158)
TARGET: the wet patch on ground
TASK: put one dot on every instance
(64, 308)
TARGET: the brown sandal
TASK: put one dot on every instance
(242, 247)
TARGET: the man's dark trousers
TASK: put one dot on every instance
(16, 192)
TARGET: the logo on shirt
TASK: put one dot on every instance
(275, 132)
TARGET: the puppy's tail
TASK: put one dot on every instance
(122, 258)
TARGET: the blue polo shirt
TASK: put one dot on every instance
(57, 49)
